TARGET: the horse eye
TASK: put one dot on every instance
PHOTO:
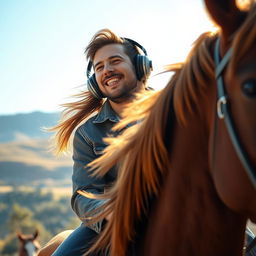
(249, 88)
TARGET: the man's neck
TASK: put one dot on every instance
(119, 107)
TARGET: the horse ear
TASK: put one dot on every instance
(36, 234)
(226, 14)
(19, 235)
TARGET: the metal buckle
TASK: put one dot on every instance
(221, 101)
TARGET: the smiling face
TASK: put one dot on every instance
(115, 73)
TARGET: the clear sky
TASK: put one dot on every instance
(42, 43)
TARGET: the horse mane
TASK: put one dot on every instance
(137, 179)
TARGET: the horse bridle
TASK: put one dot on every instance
(224, 112)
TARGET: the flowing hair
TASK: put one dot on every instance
(76, 112)
(73, 115)
(141, 153)
(137, 178)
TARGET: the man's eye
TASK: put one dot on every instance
(99, 68)
(116, 61)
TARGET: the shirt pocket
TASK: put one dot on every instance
(98, 148)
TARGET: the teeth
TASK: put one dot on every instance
(112, 81)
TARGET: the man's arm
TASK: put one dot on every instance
(82, 180)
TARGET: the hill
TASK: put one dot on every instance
(16, 126)
(35, 185)
(25, 158)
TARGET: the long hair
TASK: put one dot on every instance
(76, 112)
(72, 115)
(137, 179)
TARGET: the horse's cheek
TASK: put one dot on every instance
(231, 191)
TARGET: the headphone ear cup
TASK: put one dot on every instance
(94, 88)
(143, 66)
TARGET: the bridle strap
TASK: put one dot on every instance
(251, 247)
(224, 113)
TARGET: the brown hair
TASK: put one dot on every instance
(86, 104)
(105, 37)
(138, 178)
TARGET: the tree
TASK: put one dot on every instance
(21, 218)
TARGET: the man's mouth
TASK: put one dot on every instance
(113, 80)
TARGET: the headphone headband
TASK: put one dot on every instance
(136, 44)
(90, 64)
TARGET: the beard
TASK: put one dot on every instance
(121, 98)
(125, 94)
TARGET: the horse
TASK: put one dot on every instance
(49, 248)
(29, 244)
(186, 172)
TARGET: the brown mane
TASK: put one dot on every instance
(138, 179)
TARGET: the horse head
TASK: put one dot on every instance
(233, 136)
(28, 244)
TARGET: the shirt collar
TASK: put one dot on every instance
(106, 113)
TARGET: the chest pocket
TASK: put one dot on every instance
(98, 148)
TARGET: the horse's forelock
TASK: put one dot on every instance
(244, 39)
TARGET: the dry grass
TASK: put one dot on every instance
(33, 152)
(57, 192)
(5, 189)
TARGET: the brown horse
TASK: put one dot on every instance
(29, 244)
(49, 248)
(187, 180)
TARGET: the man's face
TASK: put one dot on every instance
(114, 73)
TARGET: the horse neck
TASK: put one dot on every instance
(190, 141)
(22, 251)
(188, 203)
(26, 250)
(196, 129)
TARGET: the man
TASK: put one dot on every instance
(120, 70)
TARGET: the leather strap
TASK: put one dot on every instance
(224, 113)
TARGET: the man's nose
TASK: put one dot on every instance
(108, 68)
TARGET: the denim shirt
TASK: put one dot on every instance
(88, 145)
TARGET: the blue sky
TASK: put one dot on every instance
(42, 43)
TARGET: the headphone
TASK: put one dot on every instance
(142, 64)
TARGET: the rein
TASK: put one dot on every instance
(250, 247)
(224, 113)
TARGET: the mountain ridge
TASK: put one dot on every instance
(25, 156)
(28, 124)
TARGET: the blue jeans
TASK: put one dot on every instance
(77, 243)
